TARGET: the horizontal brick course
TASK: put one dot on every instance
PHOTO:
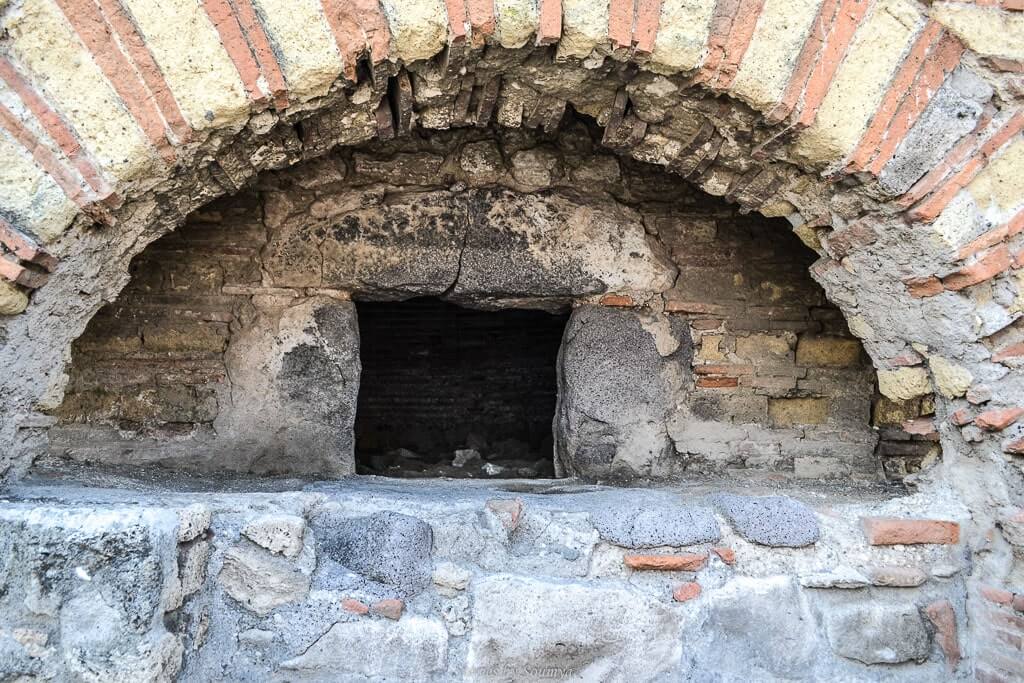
(896, 531)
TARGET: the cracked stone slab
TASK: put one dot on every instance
(776, 521)
(652, 526)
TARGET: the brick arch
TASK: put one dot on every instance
(888, 135)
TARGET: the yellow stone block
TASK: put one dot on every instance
(790, 412)
(877, 50)
(681, 43)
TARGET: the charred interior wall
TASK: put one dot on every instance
(773, 379)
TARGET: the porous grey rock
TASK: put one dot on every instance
(878, 633)
(387, 547)
(765, 626)
(525, 629)
(259, 581)
(411, 649)
(193, 520)
(278, 533)
(655, 525)
(777, 521)
(612, 411)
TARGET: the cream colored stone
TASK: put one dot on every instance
(781, 30)
(198, 69)
(878, 48)
(515, 22)
(860, 327)
(308, 55)
(808, 236)
(584, 27)
(12, 300)
(42, 41)
(986, 30)
(904, 384)
(419, 28)
(681, 43)
(1000, 185)
(710, 348)
(951, 380)
(29, 197)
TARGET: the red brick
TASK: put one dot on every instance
(899, 90)
(621, 300)
(549, 30)
(998, 419)
(896, 531)
(87, 19)
(997, 595)
(718, 382)
(848, 17)
(806, 61)
(354, 606)
(930, 208)
(941, 61)
(740, 33)
(689, 562)
(620, 23)
(985, 268)
(348, 35)
(481, 18)
(648, 16)
(508, 510)
(921, 426)
(727, 555)
(686, 591)
(55, 127)
(1013, 351)
(920, 287)
(941, 614)
(231, 36)
(265, 57)
(456, 21)
(24, 247)
(391, 608)
(956, 156)
(961, 417)
(1015, 447)
(728, 370)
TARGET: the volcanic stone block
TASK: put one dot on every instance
(613, 407)
(777, 521)
(386, 547)
(294, 380)
(649, 527)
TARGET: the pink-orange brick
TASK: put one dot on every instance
(895, 531)
(689, 562)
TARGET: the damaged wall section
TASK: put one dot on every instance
(751, 367)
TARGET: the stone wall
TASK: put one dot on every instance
(369, 580)
(773, 381)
